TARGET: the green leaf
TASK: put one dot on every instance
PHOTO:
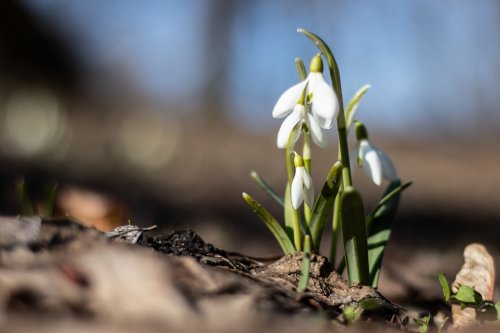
(352, 314)
(306, 265)
(353, 105)
(301, 69)
(27, 207)
(379, 224)
(468, 295)
(272, 224)
(354, 235)
(423, 323)
(324, 204)
(265, 186)
(445, 285)
(49, 202)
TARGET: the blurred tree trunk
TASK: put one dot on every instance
(218, 57)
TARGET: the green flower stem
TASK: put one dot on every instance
(335, 229)
(297, 234)
(306, 265)
(292, 216)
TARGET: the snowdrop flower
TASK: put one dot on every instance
(302, 185)
(324, 105)
(299, 117)
(374, 161)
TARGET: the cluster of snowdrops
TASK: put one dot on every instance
(310, 108)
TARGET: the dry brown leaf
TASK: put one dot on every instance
(478, 271)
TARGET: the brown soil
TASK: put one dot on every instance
(59, 276)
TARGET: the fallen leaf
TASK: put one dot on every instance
(478, 271)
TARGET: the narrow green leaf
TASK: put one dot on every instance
(50, 201)
(301, 69)
(468, 295)
(379, 224)
(306, 265)
(445, 286)
(265, 186)
(324, 204)
(353, 105)
(354, 236)
(387, 204)
(27, 207)
(272, 224)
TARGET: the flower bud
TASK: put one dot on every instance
(316, 65)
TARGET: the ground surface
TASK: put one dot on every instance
(57, 275)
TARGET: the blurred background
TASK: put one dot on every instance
(156, 112)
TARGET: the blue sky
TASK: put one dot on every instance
(429, 62)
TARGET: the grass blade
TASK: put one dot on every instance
(50, 201)
(27, 208)
(353, 105)
(265, 186)
(272, 224)
(324, 204)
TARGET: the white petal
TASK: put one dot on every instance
(297, 189)
(308, 189)
(388, 169)
(287, 126)
(317, 134)
(288, 100)
(371, 162)
(325, 105)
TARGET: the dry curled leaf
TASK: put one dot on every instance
(478, 271)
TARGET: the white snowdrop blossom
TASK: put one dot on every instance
(298, 117)
(376, 163)
(323, 101)
(302, 186)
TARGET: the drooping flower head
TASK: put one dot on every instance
(302, 186)
(375, 162)
(311, 102)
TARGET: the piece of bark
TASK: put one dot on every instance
(478, 271)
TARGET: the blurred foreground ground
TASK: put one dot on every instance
(204, 168)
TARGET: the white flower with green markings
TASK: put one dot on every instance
(324, 106)
(375, 162)
(302, 185)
